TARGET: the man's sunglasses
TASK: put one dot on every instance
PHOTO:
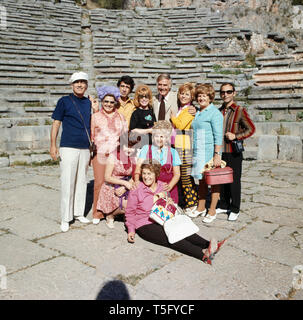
(227, 91)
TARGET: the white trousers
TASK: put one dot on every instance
(73, 166)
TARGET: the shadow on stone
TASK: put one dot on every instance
(89, 197)
(113, 290)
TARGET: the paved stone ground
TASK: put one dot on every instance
(257, 262)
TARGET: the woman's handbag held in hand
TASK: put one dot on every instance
(163, 209)
(219, 176)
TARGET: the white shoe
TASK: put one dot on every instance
(219, 210)
(208, 218)
(96, 221)
(110, 223)
(233, 216)
(188, 211)
(82, 219)
(64, 226)
(196, 213)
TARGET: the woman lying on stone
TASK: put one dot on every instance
(139, 204)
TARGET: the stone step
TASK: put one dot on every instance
(278, 88)
(275, 98)
(284, 76)
(250, 153)
(24, 121)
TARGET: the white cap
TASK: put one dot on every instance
(78, 76)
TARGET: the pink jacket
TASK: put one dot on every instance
(139, 204)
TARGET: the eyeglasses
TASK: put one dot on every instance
(111, 102)
(143, 96)
(124, 86)
(227, 91)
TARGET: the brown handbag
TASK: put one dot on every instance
(219, 176)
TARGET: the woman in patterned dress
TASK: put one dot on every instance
(106, 127)
(120, 166)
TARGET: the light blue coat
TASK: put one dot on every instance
(207, 132)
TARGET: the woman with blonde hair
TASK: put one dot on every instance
(143, 118)
(168, 157)
(183, 144)
(207, 143)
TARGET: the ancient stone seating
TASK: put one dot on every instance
(146, 42)
(39, 51)
(45, 42)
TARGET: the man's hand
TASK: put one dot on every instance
(192, 110)
(54, 152)
(230, 136)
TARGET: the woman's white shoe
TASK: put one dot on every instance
(96, 221)
(110, 223)
(196, 213)
(208, 218)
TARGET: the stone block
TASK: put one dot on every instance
(40, 157)
(267, 147)
(290, 148)
(17, 253)
(19, 159)
(4, 162)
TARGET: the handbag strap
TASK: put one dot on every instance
(90, 142)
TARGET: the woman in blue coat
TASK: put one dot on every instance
(208, 137)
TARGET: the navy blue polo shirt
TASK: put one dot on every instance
(73, 131)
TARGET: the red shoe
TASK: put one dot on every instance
(210, 251)
(220, 244)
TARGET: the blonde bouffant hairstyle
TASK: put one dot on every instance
(143, 89)
(187, 87)
(205, 88)
(162, 125)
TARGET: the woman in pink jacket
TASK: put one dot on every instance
(139, 204)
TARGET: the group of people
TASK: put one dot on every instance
(146, 147)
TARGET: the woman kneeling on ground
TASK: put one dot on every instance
(120, 167)
(139, 204)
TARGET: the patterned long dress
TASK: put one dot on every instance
(107, 200)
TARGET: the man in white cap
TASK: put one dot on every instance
(74, 112)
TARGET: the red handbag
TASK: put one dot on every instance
(219, 176)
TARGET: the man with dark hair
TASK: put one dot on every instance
(237, 126)
(126, 85)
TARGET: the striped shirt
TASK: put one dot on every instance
(237, 121)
